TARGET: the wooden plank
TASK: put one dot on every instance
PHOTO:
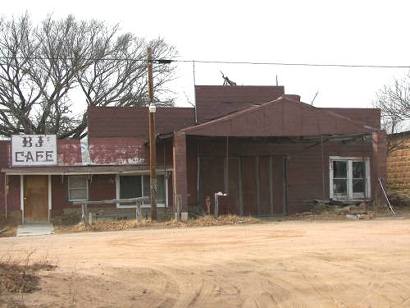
(249, 186)
(270, 186)
(142, 200)
(240, 187)
(258, 188)
(265, 186)
(285, 186)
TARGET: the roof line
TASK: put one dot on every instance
(281, 98)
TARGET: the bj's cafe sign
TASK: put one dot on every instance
(33, 150)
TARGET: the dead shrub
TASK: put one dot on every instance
(21, 276)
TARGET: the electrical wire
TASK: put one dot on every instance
(169, 61)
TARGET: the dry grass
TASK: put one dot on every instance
(21, 276)
(8, 231)
(118, 225)
(7, 228)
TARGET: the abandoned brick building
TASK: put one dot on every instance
(266, 150)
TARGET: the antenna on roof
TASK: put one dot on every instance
(277, 82)
(314, 97)
(227, 81)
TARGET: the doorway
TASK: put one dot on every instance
(35, 198)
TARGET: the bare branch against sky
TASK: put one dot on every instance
(45, 67)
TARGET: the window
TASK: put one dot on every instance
(77, 187)
(134, 186)
(349, 178)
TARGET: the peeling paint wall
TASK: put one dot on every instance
(117, 151)
(69, 152)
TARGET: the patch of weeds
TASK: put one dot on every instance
(21, 276)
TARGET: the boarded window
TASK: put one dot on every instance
(77, 187)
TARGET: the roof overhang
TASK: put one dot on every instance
(80, 170)
(283, 117)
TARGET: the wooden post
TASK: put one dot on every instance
(152, 140)
(322, 167)
(138, 211)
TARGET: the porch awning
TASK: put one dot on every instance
(70, 170)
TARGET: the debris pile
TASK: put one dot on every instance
(325, 209)
(118, 225)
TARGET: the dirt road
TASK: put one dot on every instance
(284, 264)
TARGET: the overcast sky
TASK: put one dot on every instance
(345, 32)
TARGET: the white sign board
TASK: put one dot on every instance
(33, 150)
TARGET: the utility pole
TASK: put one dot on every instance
(152, 140)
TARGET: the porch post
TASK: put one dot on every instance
(379, 157)
(180, 174)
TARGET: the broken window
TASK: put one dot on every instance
(77, 187)
(349, 178)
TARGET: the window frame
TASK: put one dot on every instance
(69, 189)
(142, 175)
(350, 196)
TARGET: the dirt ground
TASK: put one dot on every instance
(284, 264)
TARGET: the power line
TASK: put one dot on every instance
(298, 64)
(169, 61)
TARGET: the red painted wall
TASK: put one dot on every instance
(100, 187)
(304, 165)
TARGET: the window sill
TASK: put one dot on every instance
(351, 200)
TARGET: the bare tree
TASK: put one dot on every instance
(45, 69)
(394, 103)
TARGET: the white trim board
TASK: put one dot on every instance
(350, 160)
